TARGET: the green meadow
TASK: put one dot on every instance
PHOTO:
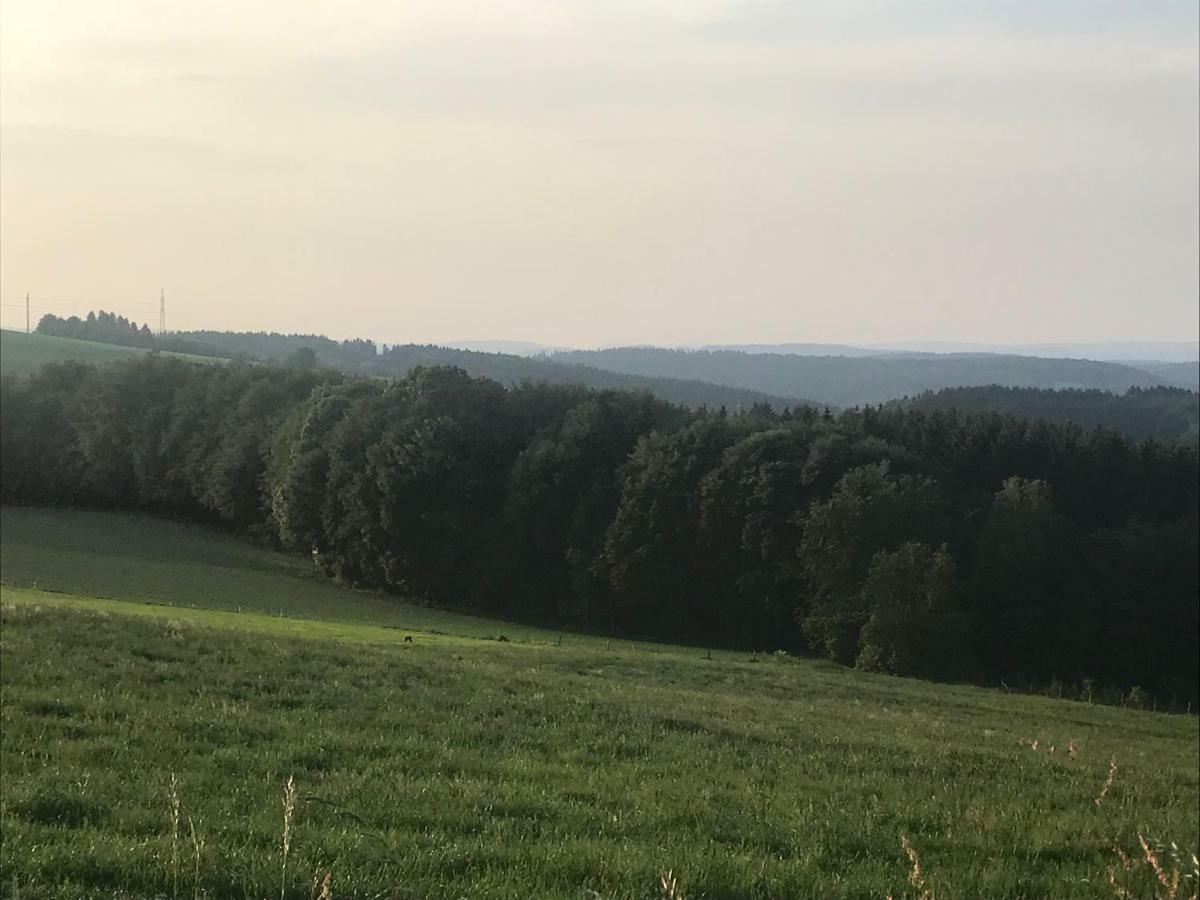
(162, 684)
(24, 354)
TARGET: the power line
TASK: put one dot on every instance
(33, 303)
(40, 306)
(77, 301)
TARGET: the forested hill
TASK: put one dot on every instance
(939, 544)
(853, 381)
(362, 357)
(1165, 414)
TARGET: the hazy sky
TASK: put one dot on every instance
(584, 173)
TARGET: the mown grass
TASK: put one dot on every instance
(458, 766)
(24, 354)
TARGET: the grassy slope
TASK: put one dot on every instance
(23, 354)
(454, 766)
(133, 557)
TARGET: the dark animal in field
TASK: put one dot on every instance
(408, 639)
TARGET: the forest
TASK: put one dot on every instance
(1166, 414)
(940, 544)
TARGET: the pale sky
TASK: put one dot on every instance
(592, 172)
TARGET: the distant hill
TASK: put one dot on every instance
(1108, 351)
(1170, 415)
(850, 381)
(510, 369)
(1184, 374)
(23, 354)
(516, 348)
(1133, 353)
(803, 349)
(110, 336)
(364, 358)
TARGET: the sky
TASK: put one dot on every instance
(597, 172)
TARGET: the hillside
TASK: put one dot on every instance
(853, 381)
(23, 354)
(544, 765)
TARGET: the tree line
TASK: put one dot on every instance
(103, 326)
(939, 544)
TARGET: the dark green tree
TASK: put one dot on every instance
(564, 490)
(1029, 587)
(871, 510)
(915, 624)
(662, 580)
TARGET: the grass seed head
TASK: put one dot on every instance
(198, 852)
(670, 887)
(174, 805)
(1108, 782)
(289, 808)
(1172, 873)
(915, 878)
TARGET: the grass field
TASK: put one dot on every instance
(23, 354)
(460, 766)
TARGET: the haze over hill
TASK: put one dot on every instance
(1113, 351)
(1181, 352)
(848, 381)
(108, 336)
(714, 378)
(516, 348)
